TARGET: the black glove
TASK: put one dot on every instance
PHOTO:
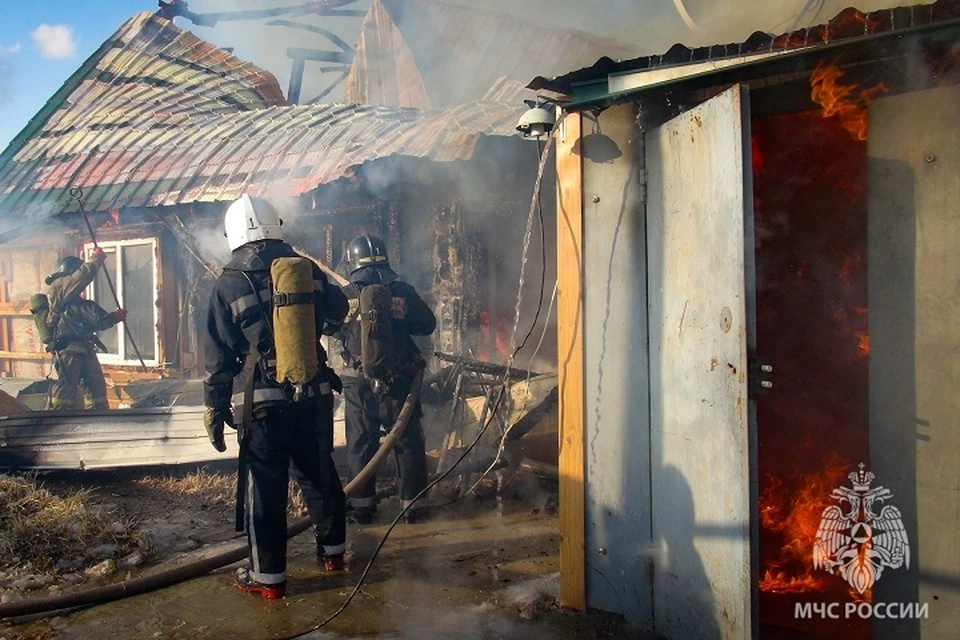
(213, 421)
(331, 377)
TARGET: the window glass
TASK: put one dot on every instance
(103, 297)
(138, 300)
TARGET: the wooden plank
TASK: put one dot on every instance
(570, 351)
(17, 308)
(23, 355)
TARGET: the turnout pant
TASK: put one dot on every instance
(326, 504)
(366, 413)
(74, 368)
(281, 435)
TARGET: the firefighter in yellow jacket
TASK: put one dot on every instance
(74, 323)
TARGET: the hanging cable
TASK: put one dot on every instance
(526, 396)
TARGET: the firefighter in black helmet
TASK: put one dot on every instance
(73, 323)
(371, 402)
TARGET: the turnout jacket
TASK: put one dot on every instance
(235, 321)
(411, 316)
(74, 320)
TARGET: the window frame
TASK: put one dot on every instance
(123, 358)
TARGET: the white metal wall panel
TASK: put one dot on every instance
(913, 271)
(108, 439)
(618, 547)
(700, 431)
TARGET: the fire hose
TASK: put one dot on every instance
(202, 567)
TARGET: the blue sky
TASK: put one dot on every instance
(42, 42)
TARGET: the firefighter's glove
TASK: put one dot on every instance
(213, 421)
(99, 255)
(119, 315)
(331, 377)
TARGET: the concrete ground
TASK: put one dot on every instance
(486, 570)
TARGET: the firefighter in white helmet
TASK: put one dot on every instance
(248, 337)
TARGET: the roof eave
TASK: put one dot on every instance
(621, 86)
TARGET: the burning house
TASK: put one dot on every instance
(758, 310)
(159, 131)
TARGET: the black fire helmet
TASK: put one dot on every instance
(366, 251)
(67, 266)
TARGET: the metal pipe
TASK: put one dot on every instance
(201, 567)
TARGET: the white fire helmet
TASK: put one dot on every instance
(251, 219)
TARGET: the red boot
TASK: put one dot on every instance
(333, 563)
(248, 585)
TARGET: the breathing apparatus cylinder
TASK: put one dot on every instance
(294, 322)
(40, 310)
(377, 354)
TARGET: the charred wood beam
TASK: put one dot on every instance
(334, 38)
(296, 80)
(533, 417)
(180, 232)
(180, 9)
(478, 366)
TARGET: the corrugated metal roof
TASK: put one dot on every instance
(203, 126)
(383, 71)
(461, 51)
(508, 91)
(850, 24)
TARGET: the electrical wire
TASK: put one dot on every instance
(534, 206)
(543, 272)
(543, 257)
(526, 396)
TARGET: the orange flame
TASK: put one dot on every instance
(848, 102)
(862, 337)
(498, 340)
(863, 344)
(793, 518)
(113, 218)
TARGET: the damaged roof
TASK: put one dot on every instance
(847, 26)
(158, 117)
(449, 54)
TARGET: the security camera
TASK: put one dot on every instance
(538, 120)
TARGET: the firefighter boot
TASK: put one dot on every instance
(333, 563)
(329, 562)
(248, 585)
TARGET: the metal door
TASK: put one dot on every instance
(699, 213)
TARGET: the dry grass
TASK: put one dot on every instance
(216, 489)
(37, 527)
(212, 488)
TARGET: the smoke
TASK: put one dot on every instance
(257, 40)
(633, 27)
